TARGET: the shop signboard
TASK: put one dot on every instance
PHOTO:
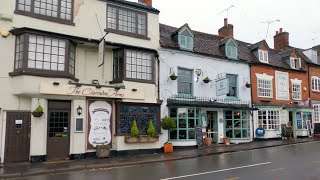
(309, 128)
(222, 86)
(199, 137)
(282, 85)
(90, 91)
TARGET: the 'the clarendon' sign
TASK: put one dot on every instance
(88, 91)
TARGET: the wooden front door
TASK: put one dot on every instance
(17, 142)
(58, 142)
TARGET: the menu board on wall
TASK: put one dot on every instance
(282, 85)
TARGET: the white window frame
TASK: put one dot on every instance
(316, 113)
(264, 77)
(263, 56)
(315, 83)
(275, 120)
(296, 82)
(293, 63)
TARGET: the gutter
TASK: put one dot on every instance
(158, 75)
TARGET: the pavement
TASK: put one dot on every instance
(27, 169)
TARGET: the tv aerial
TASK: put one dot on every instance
(227, 10)
(269, 22)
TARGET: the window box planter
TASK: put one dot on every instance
(141, 139)
(102, 151)
(37, 114)
(168, 148)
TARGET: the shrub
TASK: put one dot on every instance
(173, 73)
(151, 131)
(134, 130)
(168, 123)
(206, 78)
(39, 109)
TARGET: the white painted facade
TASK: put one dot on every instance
(22, 93)
(171, 60)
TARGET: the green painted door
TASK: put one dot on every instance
(212, 125)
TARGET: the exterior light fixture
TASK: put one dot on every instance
(134, 90)
(198, 73)
(79, 110)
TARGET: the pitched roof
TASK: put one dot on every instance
(208, 44)
(136, 5)
(258, 44)
(179, 29)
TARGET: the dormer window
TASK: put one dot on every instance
(295, 63)
(263, 56)
(232, 50)
(185, 38)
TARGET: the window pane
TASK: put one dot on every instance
(139, 65)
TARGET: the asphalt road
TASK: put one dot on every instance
(294, 162)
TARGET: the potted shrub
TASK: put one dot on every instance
(152, 133)
(206, 80)
(134, 135)
(169, 124)
(173, 76)
(226, 140)
(38, 112)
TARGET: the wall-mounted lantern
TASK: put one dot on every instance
(198, 73)
(79, 110)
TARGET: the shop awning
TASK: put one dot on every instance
(193, 101)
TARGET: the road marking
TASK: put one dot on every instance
(273, 170)
(222, 170)
(234, 178)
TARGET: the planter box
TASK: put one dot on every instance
(102, 151)
(208, 141)
(173, 77)
(168, 148)
(142, 139)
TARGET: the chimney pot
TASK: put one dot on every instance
(147, 2)
(225, 21)
(280, 30)
(277, 32)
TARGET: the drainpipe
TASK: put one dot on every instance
(252, 121)
(158, 74)
(309, 84)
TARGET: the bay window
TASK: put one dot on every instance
(133, 65)
(44, 55)
(269, 119)
(142, 113)
(126, 21)
(237, 124)
(186, 119)
(60, 11)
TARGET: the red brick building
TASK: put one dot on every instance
(280, 87)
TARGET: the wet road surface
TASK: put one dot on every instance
(293, 162)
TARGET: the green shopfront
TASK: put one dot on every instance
(218, 120)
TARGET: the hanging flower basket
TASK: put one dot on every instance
(206, 81)
(248, 85)
(37, 114)
(173, 77)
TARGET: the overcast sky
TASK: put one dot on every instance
(300, 18)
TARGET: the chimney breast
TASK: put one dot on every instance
(281, 40)
(226, 30)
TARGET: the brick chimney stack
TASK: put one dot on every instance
(147, 2)
(226, 30)
(281, 40)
